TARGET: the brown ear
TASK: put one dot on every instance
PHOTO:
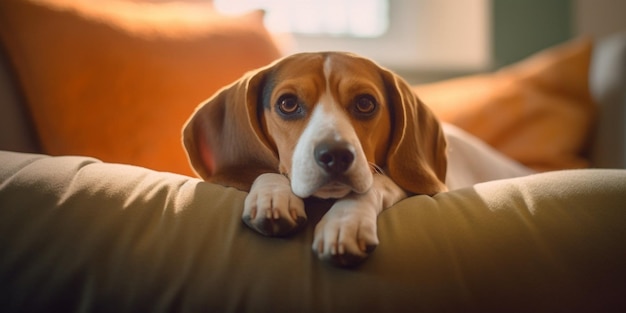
(417, 159)
(224, 139)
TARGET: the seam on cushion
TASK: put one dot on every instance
(25, 161)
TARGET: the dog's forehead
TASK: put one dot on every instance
(320, 64)
(312, 72)
(344, 63)
(309, 75)
(310, 63)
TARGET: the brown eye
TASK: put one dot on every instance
(365, 106)
(288, 106)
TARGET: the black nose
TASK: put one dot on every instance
(335, 157)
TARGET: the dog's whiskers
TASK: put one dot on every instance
(376, 169)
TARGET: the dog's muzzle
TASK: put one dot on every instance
(334, 156)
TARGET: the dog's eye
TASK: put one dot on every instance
(365, 105)
(288, 105)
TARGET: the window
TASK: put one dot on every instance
(405, 35)
(352, 18)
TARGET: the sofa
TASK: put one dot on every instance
(100, 212)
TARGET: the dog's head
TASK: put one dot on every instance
(327, 121)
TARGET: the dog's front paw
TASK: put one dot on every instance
(346, 234)
(271, 208)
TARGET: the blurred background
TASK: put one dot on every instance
(428, 40)
(78, 75)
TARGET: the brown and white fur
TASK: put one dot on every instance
(327, 125)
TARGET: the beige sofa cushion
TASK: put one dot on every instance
(78, 234)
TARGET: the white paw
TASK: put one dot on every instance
(271, 208)
(346, 234)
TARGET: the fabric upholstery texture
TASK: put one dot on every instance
(80, 235)
(117, 79)
(538, 111)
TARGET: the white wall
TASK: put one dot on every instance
(423, 35)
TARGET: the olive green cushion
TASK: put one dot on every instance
(77, 234)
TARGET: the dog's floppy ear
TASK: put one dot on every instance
(417, 159)
(224, 138)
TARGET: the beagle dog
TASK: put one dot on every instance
(327, 125)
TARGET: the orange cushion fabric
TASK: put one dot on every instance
(116, 80)
(538, 111)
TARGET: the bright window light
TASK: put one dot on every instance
(350, 18)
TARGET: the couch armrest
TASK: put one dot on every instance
(79, 234)
(608, 87)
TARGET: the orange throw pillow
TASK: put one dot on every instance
(116, 80)
(538, 111)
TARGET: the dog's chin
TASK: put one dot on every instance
(329, 187)
(333, 190)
